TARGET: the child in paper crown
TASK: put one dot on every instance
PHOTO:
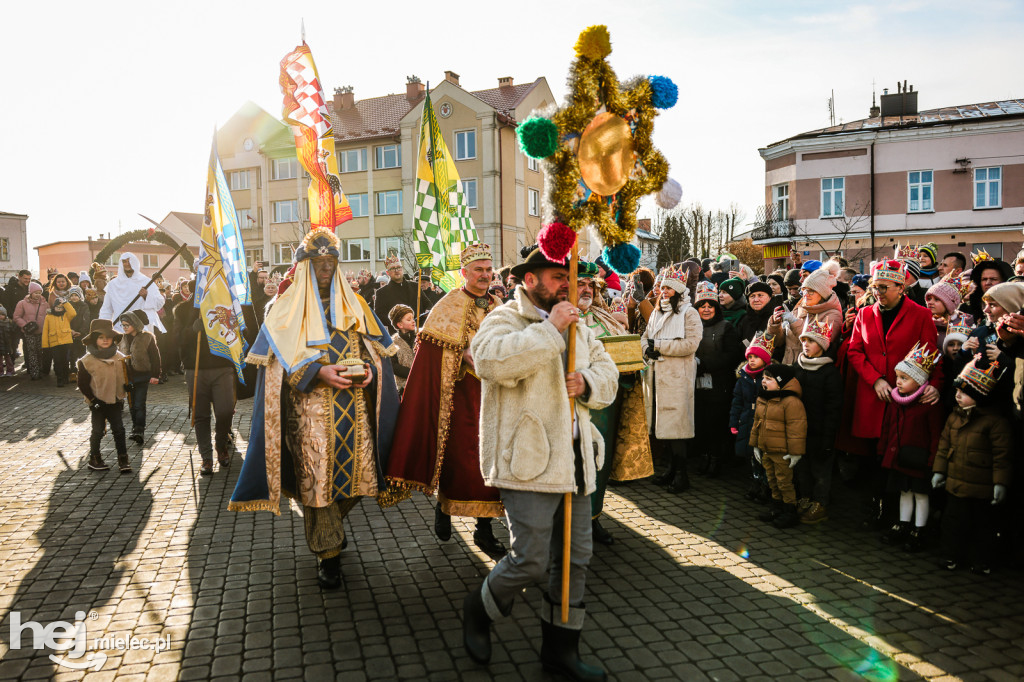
(741, 415)
(822, 387)
(973, 464)
(910, 435)
(777, 436)
(1004, 298)
(943, 300)
(952, 363)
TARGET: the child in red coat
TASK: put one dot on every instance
(910, 436)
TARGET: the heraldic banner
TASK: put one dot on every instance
(442, 226)
(306, 111)
(222, 285)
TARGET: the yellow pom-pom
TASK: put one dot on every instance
(594, 43)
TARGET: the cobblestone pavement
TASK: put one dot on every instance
(694, 587)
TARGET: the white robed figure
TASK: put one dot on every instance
(122, 289)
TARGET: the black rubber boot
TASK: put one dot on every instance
(773, 510)
(329, 575)
(483, 538)
(599, 534)
(788, 518)
(476, 626)
(560, 651)
(681, 481)
(442, 524)
(875, 520)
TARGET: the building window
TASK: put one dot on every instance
(388, 246)
(469, 190)
(240, 179)
(284, 169)
(987, 187)
(182, 263)
(283, 254)
(994, 249)
(389, 156)
(149, 260)
(352, 160)
(780, 197)
(115, 260)
(919, 191)
(534, 207)
(355, 249)
(253, 255)
(389, 202)
(286, 212)
(465, 145)
(832, 191)
(360, 204)
(5, 252)
(531, 163)
(244, 218)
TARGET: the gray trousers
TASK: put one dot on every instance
(535, 522)
(216, 387)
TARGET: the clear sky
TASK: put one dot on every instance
(109, 107)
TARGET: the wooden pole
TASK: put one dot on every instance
(419, 289)
(570, 366)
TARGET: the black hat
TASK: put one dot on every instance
(759, 286)
(792, 278)
(100, 327)
(535, 261)
(781, 373)
(778, 278)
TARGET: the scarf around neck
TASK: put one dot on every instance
(813, 364)
(102, 353)
(900, 399)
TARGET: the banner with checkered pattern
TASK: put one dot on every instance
(442, 225)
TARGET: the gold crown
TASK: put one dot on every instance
(706, 291)
(675, 271)
(761, 340)
(392, 262)
(920, 356)
(954, 280)
(981, 256)
(819, 328)
(889, 271)
(474, 252)
(964, 329)
(907, 252)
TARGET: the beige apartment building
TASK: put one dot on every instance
(13, 246)
(953, 176)
(377, 139)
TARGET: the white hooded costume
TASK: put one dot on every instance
(122, 289)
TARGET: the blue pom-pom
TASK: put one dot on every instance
(623, 259)
(664, 93)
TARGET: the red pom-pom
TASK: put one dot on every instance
(150, 232)
(555, 241)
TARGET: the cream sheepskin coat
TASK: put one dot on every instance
(669, 380)
(525, 425)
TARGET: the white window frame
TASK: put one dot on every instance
(276, 205)
(987, 182)
(828, 197)
(388, 195)
(916, 181)
(364, 248)
(471, 197)
(288, 164)
(780, 197)
(281, 249)
(242, 215)
(115, 259)
(5, 254)
(253, 255)
(386, 244)
(345, 164)
(240, 179)
(360, 200)
(462, 154)
(994, 249)
(182, 263)
(382, 152)
(532, 164)
(150, 260)
(533, 202)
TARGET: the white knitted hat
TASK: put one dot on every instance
(824, 279)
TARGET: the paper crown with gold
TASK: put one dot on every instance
(981, 256)
(706, 291)
(319, 242)
(392, 262)
(979, 377)
(819, 331)
(674, 277)
(907, 252)
(919, 363)
(957, 332)
(888, 271)
(478, 251)
(762, 345)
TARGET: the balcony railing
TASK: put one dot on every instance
(769, 224)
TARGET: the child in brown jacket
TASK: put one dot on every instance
(779, 438)
(101, 380)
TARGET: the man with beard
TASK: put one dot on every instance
(436, 446)
(325, 403)
(397, 291)
(122, 289)
(535, 450)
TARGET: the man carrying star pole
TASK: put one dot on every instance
(325, 404)
(436, 445)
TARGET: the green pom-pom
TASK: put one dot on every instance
(538, 137)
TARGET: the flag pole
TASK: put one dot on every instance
(570, 366)
(419, 289)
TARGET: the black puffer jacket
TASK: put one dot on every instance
(741, 415)
(755, 320)
(822, 384)
(719, 350)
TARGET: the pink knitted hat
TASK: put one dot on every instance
(949, 290)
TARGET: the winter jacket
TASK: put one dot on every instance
(821, 385)
(669, 380)
(975, 452)
(402, 362)
(792, 326)
(390, 295)
(741, 415)
(143, 355)
(27, 311)
(755, 321)
(916, 426)
(719, 350)
(7, 338)
(780, 423)
(57, 328)
(82, 319)
(735, 311)
(873, 356)
(526, 429)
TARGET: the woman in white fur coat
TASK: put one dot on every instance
(670, 343)
(818, 298)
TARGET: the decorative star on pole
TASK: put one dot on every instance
(599, 156)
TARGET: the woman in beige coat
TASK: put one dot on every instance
(670, 342)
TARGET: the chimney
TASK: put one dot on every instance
(505, 81)
(902, 103)
(452, 78)
(874, 111)
(344, 98)
(414, 89)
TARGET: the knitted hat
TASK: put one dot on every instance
(759, 286)
(913, 268)
(398, 312)
(861, 281)
(674, 277)
(957, 332)
(781, 373)
(705, 264)
(810, 265)
(762, 346)
(818, 331)
(3, 310)
(823, 279)
(706, 291)
(930, 249)
(978, 378)
(919, 363)
(83, 276)
(733, 286)
(1009, 296)
(76, 290)
(949, 290)
(383, 279)
(135, 318)
(792, 278)
(34, 286)
(718, 278)
(890, 271)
